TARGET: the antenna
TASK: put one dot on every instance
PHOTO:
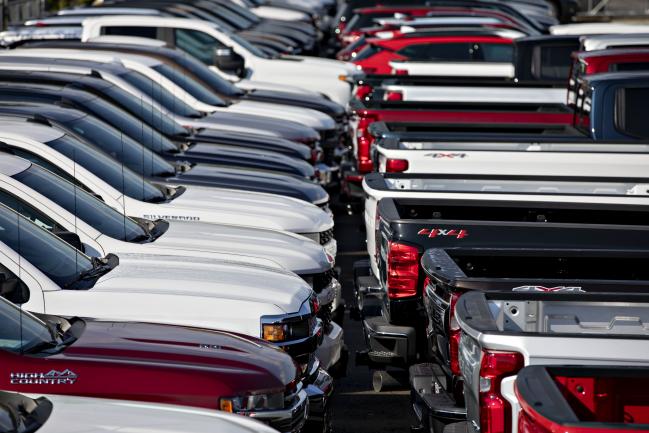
(20, 315)
(121, 139)
(74, 186)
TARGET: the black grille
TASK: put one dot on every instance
(326, 236)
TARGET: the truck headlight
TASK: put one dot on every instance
(252, 402)
(275, 332)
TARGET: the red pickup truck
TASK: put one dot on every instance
(150, 362)
(375, 58)
(582, 399)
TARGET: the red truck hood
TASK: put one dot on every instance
(158, 363)
(184, 347)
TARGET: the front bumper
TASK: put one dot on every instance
(319, 390)
(432, 404)
(331, 350)
(287, 420)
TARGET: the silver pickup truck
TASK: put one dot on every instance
(504, 332)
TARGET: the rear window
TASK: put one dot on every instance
(630, 112)
(142, 32)
(460, 52)
(451, 52)
(552, 62)
(367, 52)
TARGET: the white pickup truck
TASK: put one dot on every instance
(542, 158)
(477, 94)
(56, 205)
(62, 414)
(503, 332)
(107, 178)
(227, 52)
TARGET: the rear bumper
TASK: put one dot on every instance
(434, 407)
(387, 344)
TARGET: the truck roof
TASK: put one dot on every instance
(602, 42)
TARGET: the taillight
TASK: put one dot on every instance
(495, 411)
(364, 144)
(399, 72)
(393, 96)
(454, 334)
(396, 165)
(363, 91)
(403, 270)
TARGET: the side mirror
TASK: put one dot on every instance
(70, 238)
(13, 290)
(229, 62)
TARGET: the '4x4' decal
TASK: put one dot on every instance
(433, 233)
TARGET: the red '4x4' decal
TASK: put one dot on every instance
(433, 233)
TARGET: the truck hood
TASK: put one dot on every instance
(249, 180)
(94, 415)
(293, 252)
(179, 348)
(224, 206)
(205, 278)
(210, 136)
(332, 64)
(260, 125)
(306, 116)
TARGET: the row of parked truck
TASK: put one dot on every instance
(500, 160)
(167, 247)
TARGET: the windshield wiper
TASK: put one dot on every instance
(100, 266)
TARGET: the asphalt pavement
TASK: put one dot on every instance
(356, 407)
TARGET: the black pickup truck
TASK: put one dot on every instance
(407, 214)
(436, 387)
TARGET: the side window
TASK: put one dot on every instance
(630, 109)
(500, 53)
(28, 212)
(142, 32)
(198, 44)
(629, 66)
(452, 52)
(10, 289)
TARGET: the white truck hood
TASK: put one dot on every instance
(192, 276)
(306, 74)
(266, 85)
(295, 253)
(348, 67)
(305, 116)
(224, 206)
(94, 415)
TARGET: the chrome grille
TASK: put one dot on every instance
(326, 236)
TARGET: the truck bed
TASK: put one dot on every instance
(612, 399)
(545, 328)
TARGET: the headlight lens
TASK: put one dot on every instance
(275, 332)
(252, 402)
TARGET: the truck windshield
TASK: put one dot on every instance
(146, 112)
(189, 85)
(207, 77)
(159, 94)
(123, 148)
(20, 329)
(59, 261)
(130, 125)
(78, 202)
(107, 169)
